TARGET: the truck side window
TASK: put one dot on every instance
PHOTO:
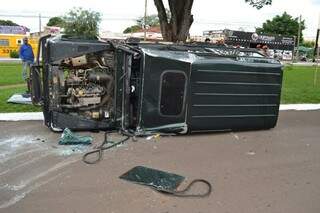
(172, 93)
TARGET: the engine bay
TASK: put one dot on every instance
(84, 85)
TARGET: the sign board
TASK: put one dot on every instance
(52, 30)
(20, 30)
(279, 46)
(251, 40)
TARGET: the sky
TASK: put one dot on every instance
(208, 14)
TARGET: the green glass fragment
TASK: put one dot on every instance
(69, 138)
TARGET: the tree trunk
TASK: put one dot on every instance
(177, 28)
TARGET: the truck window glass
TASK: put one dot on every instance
(172, 93)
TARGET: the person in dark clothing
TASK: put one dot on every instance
(27, 57)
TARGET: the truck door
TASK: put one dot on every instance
(35, 84)
(36, 73)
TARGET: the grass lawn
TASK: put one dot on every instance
(10, 73)
(298, 85)
(6, 107)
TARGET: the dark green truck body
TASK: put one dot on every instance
(180, 89)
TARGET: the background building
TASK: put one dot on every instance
(11, 39)
(281, 47)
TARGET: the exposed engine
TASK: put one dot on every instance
(84, 86)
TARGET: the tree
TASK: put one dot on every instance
(259, 3)
(82, 23)
(176, 27)
(151, 20)
(56, 22)
(284, 25)
(7, 23)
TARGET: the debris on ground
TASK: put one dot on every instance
(156, 136)
(20, 99)
(235, 136)
(251, 153)
(163, 181)
(69, 138)
(71, 150)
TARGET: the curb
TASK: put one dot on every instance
(38, 116)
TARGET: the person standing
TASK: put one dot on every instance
(27, 57)
(265, 50)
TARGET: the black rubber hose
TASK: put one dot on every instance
(182, 193)
(101, 148)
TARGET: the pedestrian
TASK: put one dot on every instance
(260, 49)
(27, 57)
(265, 50)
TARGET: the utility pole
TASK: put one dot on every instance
(298, 41)
(39, 24)
(145, 19)
(315, 51)
(316, 55)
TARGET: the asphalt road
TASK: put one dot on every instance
(258, 171)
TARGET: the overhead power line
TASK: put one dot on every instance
(48, 17)
(23, 16)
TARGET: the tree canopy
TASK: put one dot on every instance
(259, 3)
(56, 22)
(7, 23)
(285, 25)
(82, 23)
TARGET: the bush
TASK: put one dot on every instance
(132, 29)
(14, 54)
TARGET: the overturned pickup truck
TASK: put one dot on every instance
(146, 88)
